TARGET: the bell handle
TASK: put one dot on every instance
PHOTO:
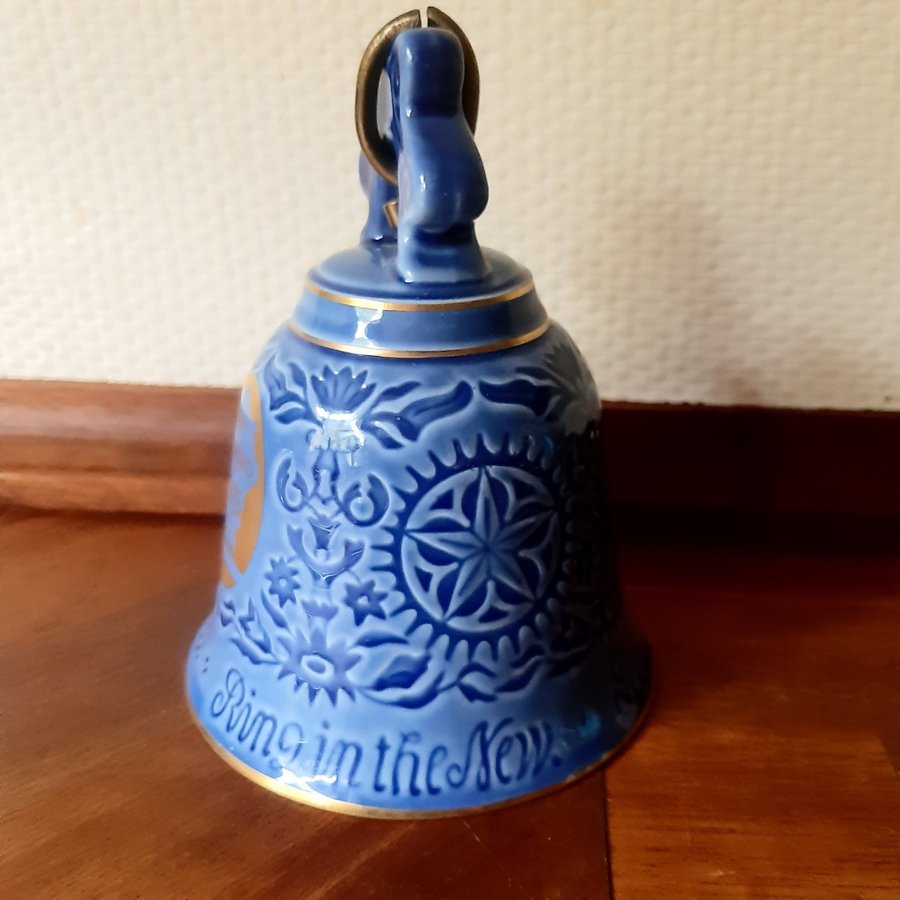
(378, 149)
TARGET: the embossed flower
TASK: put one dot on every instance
(319, 665)
(339, 395)
(365, 601)
(340, 392)
(282, 583)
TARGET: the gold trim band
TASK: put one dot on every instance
(424, 354)
(319, 801)
(423, 305)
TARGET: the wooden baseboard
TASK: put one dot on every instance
(165, 450)
(114, 447)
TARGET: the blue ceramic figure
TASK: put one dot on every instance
(418, 611)
(381, 194)
(441, 180)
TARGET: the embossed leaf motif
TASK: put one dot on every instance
(379, 639)
(253, 629)
(279, 394)
(392, 428)
(402, 672)
(472, 693)
(520, 679)
(549, 389)
(395, 391)
(536, 397)
(420, 412)
(227, 611)
(256, 656)
(252, 639)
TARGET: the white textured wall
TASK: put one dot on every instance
(708, 192)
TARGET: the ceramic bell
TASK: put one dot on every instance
(418, 611)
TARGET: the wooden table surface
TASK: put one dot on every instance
(768, 767)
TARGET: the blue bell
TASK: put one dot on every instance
(418, 612)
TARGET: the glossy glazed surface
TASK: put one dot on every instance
(418, 610)
(773, 735)
(355, 302)
(418, 607)
(441, 182)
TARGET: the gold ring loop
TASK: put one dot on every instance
(378, 149)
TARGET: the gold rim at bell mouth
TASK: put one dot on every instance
(422, 305)
(345, 807)
(504, 344)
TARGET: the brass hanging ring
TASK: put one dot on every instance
(378, 149)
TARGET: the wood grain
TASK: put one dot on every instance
(158, 449)
(111, 447)
(109, 791)
(766, 771)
